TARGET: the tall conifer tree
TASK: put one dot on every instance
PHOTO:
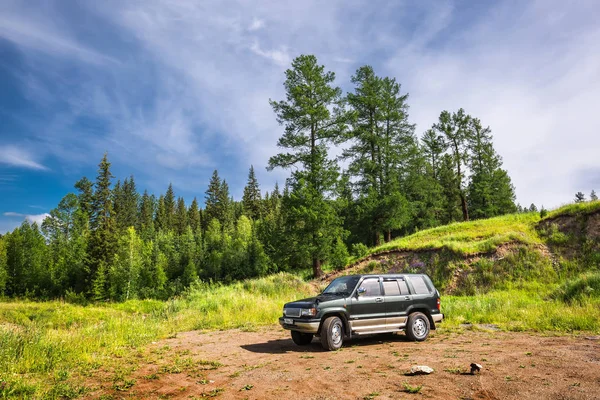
(312, 119)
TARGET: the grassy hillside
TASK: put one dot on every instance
(517, 272)
(471, 237)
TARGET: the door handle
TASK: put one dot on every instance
(406, 297)
(379, 300)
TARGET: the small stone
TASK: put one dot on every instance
(475, 368)
(420, 370)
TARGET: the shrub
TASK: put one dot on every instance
(339, 256)
(359, 250)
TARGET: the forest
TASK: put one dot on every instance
(109, 241)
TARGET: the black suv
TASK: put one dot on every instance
(365, 304)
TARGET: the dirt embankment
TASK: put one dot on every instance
(442, 264)
(267, 365)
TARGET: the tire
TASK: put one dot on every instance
(302, 339)
(417, 328)
(332, 333)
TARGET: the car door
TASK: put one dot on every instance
(397, 301)
(367, 310)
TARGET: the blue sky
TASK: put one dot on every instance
(174, 89)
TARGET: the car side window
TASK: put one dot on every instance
(391, 288)
(403, 287)
(372, 287)
(419, 285)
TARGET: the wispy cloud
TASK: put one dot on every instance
(37, 218)
(256, 24)
(40, 34)
(16, 157)
(190, 89)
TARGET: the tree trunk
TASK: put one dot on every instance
(376, 239)
(317, 271)
(463, 204)
(388, 235)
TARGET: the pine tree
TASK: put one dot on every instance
(225, 207)
(194, 215)
(3, 266)
(579, 197)
(170, 208)
(161, 222)
(103, 240)
(145, 218)
(251, 199)
(312, 120)
(86, 197)
(593, 196)
(213, 208)
(181, 217)
(455, 128)
(127, 216)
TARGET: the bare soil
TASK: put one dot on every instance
(267, 365)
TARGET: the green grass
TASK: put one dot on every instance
(580, 289)
(47, 349)
(523, 309)
(473, 237)
(575, 209)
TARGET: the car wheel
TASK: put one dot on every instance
(301, 339)
(332, 333)
(417, 328)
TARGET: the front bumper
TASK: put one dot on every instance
(300, 325)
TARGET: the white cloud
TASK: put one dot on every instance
(533, 80)
(193, 94)
(279, 57)
(256, 24)
(17, 157)
(31, 218)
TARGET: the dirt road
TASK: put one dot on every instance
(267, 365)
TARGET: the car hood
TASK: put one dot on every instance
(312, 301)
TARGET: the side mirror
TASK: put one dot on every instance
(361, 291)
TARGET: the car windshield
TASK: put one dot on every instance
(342, 285)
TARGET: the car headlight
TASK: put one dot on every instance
(308, 312)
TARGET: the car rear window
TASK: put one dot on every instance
(419, 285)
(391, 288)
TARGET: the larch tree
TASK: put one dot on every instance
(312, 119)
(379, 149)
(455, 128)
(490, 191)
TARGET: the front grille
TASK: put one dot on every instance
(291, 312)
